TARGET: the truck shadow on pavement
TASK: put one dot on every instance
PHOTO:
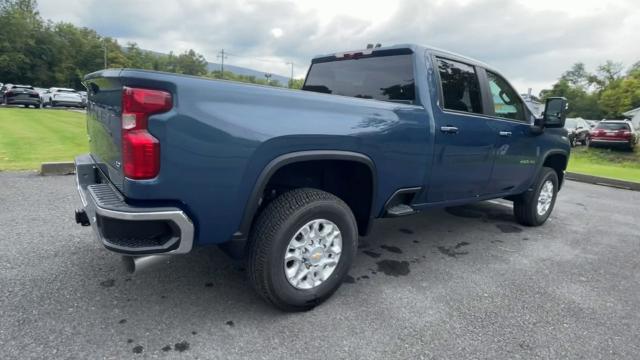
(205, 290)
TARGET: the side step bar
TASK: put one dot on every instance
(399, 204)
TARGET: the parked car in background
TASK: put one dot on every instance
(20, 95)
(83, 94)
(578, 131)
(614, 133)
(592, 123)
(62, 97)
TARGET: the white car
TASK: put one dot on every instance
(62, 97)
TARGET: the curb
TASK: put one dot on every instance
(597, 180)
(57, 168)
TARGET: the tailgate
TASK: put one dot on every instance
(120, 112)
(104, 124)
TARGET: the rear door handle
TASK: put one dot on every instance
(449, 129)
(505, 133)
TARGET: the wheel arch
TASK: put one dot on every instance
(236, 246)
(558, 161)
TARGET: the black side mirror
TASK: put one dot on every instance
(555, 112)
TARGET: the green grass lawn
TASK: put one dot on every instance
(609, 163)
(29, 137)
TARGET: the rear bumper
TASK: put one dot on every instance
(14, 101)
(608, 141)
(67, 103)
(127, 229)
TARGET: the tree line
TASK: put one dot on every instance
(43, 53)
(607, 92)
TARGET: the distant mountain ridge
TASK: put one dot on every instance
(284, 80)
(247, 72)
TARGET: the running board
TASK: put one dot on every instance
(400, 210)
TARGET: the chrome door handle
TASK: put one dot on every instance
(505, 133)
(449, 129)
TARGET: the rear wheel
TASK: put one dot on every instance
(534, 206)
(300, 248)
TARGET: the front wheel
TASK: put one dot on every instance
(300, 248)
(534, 206)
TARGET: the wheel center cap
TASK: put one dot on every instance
(316, 255)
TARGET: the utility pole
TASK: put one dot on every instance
(104, 47)
(291, 79)
(221, 56)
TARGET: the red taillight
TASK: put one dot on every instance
(626, 134)
(140, 150)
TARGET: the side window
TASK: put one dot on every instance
(460, 86)
(506, 102)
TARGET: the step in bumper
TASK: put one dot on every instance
(127, 229)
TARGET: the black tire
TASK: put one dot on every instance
(26, 106)
(525, 205)
(270, 237)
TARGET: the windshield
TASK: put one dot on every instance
(388, 78)
(613, 126)
(67, 91)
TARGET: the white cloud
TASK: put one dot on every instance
(277, 32)
(531, 42)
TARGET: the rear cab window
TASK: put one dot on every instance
(611, 126)
(386, 75)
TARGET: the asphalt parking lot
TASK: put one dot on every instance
(465, 282)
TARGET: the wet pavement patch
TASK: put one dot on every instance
(508, 228)
(230, 323)
(108, 283)
(416, 241)
(393, 249)
(373, 254)
(138, 349)
(194, 333)
(525, 238)
(349, 279)
(393, 267)
(209, 284)
(122, 321)
(181, 346)
(461, 244)
(406, 231)
(166, 348)
(496, 241)
(129, 341)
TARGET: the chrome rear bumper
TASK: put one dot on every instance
(127, 229)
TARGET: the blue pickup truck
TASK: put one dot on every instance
(287, 179)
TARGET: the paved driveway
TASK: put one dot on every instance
(462, 283)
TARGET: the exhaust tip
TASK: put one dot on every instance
(135, 264)
(129, 264)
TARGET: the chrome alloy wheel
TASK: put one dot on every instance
(545, 198)
(313, 254)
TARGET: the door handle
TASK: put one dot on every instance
(505, 133)
(449, 129)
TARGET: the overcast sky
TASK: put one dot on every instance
(531, 42)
